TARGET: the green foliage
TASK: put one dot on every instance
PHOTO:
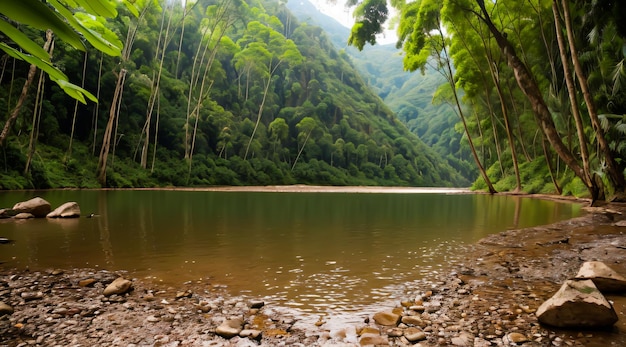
(280, 92)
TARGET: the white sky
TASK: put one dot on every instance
(344, 16)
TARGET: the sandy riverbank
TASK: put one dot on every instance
(488, 300)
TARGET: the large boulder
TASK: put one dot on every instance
(67, 210)
(37, 206)
(577, 304)
(605, 278)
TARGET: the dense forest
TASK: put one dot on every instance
(537, 85)
(409, 95)
(229, 92)
(213, 93)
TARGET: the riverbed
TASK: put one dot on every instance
(489, 294)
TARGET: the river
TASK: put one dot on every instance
(317, 250)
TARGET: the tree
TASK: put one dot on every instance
(67, 23)
(265, 49)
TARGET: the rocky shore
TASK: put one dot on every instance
(488, 300)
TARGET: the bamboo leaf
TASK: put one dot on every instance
(23, 41)
(76, 92)
(93, 37)
(55, 74)
(103, 8)
(44, 65)
(36, 14)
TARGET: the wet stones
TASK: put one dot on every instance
(40, 208)
(37, 207)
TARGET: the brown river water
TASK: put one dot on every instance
(314, 251)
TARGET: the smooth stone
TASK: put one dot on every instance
(257, 304)
(36, 206)
(251, 334)
(67, 210)
(386, 318)
(368, 339)
(5, 309)
(28, 296)
(516, 337)
(24, 215)
(414, 334)
(119, 286)
(87, 282)
(395, 332)
(606, 279)
(577, 304)
(368, 330)
(230, 328)
(413, 320)
(464, 339)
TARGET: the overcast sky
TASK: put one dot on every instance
(344, 16)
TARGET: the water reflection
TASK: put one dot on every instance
(313, 251)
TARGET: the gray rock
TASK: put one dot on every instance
(119, 286)
(230, 328)
(67, 210)
(577, 304)
(37, 206)
(605, 278)
(5, 309)
(386, 318)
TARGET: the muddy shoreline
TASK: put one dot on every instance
(487, 300)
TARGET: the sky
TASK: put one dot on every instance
(344, 16)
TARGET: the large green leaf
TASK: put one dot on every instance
(55, 74)
(23, 41)
(36, 14)
(93, 37)
(44, 65)
(103, 8)
(75, 91)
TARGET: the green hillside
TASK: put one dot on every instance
(408, 95)
(244, 95)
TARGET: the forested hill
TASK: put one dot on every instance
(226, 93)
(408, 95)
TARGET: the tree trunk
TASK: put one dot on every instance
(106, 142)
(29, 80)
(450, 79)
(571, 89)
(616, 177)
(530, 88)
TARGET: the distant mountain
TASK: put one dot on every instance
(409, 95)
